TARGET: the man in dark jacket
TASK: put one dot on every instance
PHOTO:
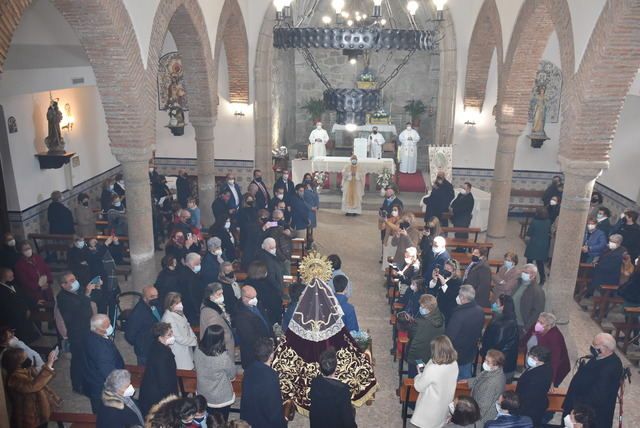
(628, 227)
(138, 328)
(552, 190)
(438, 202)
(251, 324)
(76, 312)
(9, 253)
(236, 193)
(429, 325)
(597, 381)
(299, 212)
(14, 308)
(533, 385)
(390, 201)
(462, 208)
(478, 274)
(220, 206)
(183, 188)
(285, 182)
(211, 261)
(193, 286)
(268, 255)
(330, 399)
(261, 404)
(464, 329)
(508, 406)
(262, 195)
(607, 269)
(59, 217)
(440, 257)
(101, 357)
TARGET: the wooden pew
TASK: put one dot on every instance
(470, 230)
(601, 303)
(470, 245)
(626, 328)
(77, 420)
(585, 271)
(465, 259)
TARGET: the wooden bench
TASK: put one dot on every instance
(459, 243)
(299, 246)
(585, 272)
(77, 420)
(465, 259)
(601, 303)
(470, 230)
(627, 327)
(420, 214)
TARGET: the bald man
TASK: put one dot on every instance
(251, 324)
(145, 314)
(275, 277)
(597, 381)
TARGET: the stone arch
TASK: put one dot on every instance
(485, 39)
(232, 34)
(445, 115)
(536, 22)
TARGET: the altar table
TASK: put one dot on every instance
(335, 164)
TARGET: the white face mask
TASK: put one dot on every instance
(285, 177)
(463, 192)
(14, 341)
(458, 301)
(28, 253)
(354, 162)
(319, 126)
(525, 277)
(531, 362)
(591, 227)
(613, 245)
(394, 213)
(170, 341)
(80, 244)
(11, 243)
(408, 260)
(253, 302)
(273, 251)
(499, 409)
(117, 204)
(75, 286)
(196, 269)
(218, 300)
(568, 422)
(178, 307)
(217, 252)
(129, 391)
(436, 250)
(231, 182)
(486, 367)
(280, 196)
(227, 225)
(109, 331)
(452, 408)
(414, 288)
(553, 202)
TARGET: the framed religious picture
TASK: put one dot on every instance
(172, 93)
(12, 125)
(440, 160)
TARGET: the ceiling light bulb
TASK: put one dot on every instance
(358, 18)
(364, 16)
(383, 22)
(337, 5)
(439, 4)
(326, 20)
(350, 22)
(345, 14)
(279, 4)
(412, 7)
(377, 2)
(350, 127)
(353, 61)
(287, 3)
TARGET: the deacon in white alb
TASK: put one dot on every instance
(317, 140)
(407, 152)
(376, 141)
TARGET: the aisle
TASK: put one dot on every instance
(357, 241)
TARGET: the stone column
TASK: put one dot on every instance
(135, 166)
(579, 179)
(205, 160)
(501, 184)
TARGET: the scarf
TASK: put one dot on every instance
(132, 406)
(352, 200)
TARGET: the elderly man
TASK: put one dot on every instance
(220, 206)
(145, 313)
(118, 407)
(261, 193)
(286, 183)
(235, 202)
(101, 358)
(628, 227)
(529, 298)
(269, 256)
(251, 324)
(59, 217)
(211, 261)
(300, 212)
(376, 142)
(465, 328)
(440, 257)
(193, 285)
(597, 381)
(478, 274)
(317, 142)
(283, 235)
(76, 312)
(545, 333)
(9, 253)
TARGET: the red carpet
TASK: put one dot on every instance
(411, 182)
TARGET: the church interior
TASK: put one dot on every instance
(270, 134)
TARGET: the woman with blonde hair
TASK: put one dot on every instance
(436, 384)
(185, 338)
(390, 227)
(406, 236)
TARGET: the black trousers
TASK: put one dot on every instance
(77, 355)
(462, 221)
(541, 273)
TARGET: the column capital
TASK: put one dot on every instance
(132, 154)
(588, 170)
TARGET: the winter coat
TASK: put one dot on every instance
(212, 314)
(101, 357)
(27, 273)
(86, 221)
(553, 340)
(505, 281)
(480, 277)
(539, 233)
(185, 339)
(32, 400)
(464, 329)
(531, 304)
(116, 413)
(436, 386)
(607, 269)
(160, 378)
(60, 219)
(214, 377)
(532, 388)
(486, 389)
(502, 335)
(422, 332)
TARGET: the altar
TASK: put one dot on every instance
(366, 128)
(334, 164)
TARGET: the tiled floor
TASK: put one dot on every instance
(356, 240)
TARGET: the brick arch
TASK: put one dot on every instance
(185, 21)
(597, 92)
(536, 22)
(106, 33)
(232, 34)
(485, 39)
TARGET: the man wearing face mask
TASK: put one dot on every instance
(607, 269)
(278, 196)
(352, 188)
(236, 193)
(440, 257)
(59, 216)
(14, 308)
(286, 183)
(597, 381)
(262, 195)
(85, 217)
(160, 378)
(117, 407)
(439, 200)
(478, 274)
(183, 188)
(300, 212)
(317, 142)
(193, 287)
(428, 325)
(269, 256)
(408, 150)
(145, 313)
(602, 217)
(77, 259)
(251, 324)
(101, 358)
(594, 242)
(220, 206)
(529, 298)
(76, 311)
(376, 142)
(508, 406)
(465, 328)
(552, 190)
(628, 227)
(212, 260)
(9, 254)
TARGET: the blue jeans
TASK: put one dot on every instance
(464, 371)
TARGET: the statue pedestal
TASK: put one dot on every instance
(53, 160)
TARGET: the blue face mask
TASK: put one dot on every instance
(525, 277)
(508, 264)
(495, 308)
(109, 331)
(424, 311)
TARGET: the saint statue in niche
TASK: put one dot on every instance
(54, 140)
(538, 136)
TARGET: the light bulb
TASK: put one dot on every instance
(279, 4)
(326, 20)
(358, 18)
(350, 22)
(412, 7)
(350, 127)
(287, 3)
(353, 61)
(364, 16)
(345, 14)
(439, 4)
(337, 5)
(377, 2)
(383, 22)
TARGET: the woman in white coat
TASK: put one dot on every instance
(436, 385)
(185, 337)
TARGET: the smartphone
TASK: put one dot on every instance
(272, 224)
(420, 365)
(189, 235)
(57, 351)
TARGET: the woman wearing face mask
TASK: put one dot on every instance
(77, 259)
(160, 378)
(118, 408)
(429, 324)
(8, 340)
(213, 312)
(230, 287)
(503, 334)
(407, 236)
(116, 216)
(390, 226)
(31, 398)
(168, 280)
(594, 242)
(488, 385)
(533, 385)
(410, 300)
(215, 369)
(222, 229)
(539, 236)
(269, 293)
(545, 333)
(607, 269)
(85, 217)
(506, 280)
(408, 266)
(431, 230)
(464, 413)
(446, 284)
(185, 338)
(34, 275)
(249, 229)
(107, 194)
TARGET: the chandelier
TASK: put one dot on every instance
(356, 34)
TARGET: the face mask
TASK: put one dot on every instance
(553, 202)
(408, 260)
(85, 203)
(111, 187)
(452, 408)
(414, 288)
(231, 182)
(408, 128)
(179, 307)
(200, 420)
(463, 192)
(109, 331)
(217, 252)
(28, 253)
(595, 352)
(475, 259)
(531, 362)
(227, 225)
(170, 341)
(14, 341)
(280, 196)
(318, 126)
(591, 227)
(218, 300)
(495, 308)
(436, 250)
(539, 328)
(486, 367)
(151, 169)
(11, 243)
(600, 216)
(458, 301)
(394, 213)
(253, 302)
(568, 422)
(525, 277)
(80, 244)
(27, 363)
(424, 311)
(375, 132)
(353, 162)
(613, 245)
(129, 391)
(285, 177)
(75, 286)
(117, 204)
(196, 268)
(153, 302)
(273, 251)
(508, 264)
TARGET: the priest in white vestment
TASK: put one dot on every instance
(317, 141)
(376, 141)
(408, 152)
(352, 188)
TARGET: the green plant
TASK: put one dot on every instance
(315, 107)
(415, 108)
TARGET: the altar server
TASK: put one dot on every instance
(317, 140)
(376, 141)
(407, 152)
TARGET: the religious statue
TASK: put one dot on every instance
(54, 141)
(315, 326)
(376, 141)
(317, 141)
(352, 188)
(175, 91)
(176, 119)
(538, 136)
(408, 152)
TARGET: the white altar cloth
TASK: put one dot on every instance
(366, 128)
(334, 164)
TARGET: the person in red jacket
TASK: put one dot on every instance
(34, 275)
(545, 333)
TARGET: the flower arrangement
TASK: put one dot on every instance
(381, 113)
(319, 177)
(384, 178)
(280, 153)
(366, 77)
(362, 338)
